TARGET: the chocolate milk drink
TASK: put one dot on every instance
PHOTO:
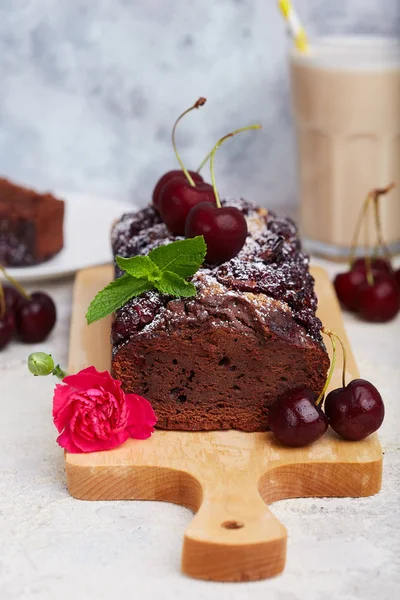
(346, 104)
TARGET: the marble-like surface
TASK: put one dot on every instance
(89, 89)
(55, 547)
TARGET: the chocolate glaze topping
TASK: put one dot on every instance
(270, 263)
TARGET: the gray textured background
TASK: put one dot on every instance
(90, 88)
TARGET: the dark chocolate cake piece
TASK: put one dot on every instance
(219, 360)
(31, 225)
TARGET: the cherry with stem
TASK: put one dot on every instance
(369, 286)
(192, 176)
(224, 227)
(35, 314)
(355, 410)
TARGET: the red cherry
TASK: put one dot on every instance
(36, 318)
(167, 177)
(12, 297)
(177, 198)
(224, 230)
(295, 419)
(378, 265)
(397, 275)
(7, 328)
(347, 286)
(356, 410)
(379, 302)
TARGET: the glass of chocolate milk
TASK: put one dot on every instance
(346, 104)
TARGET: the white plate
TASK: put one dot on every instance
(87, 225)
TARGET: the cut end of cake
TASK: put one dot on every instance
(219, 360)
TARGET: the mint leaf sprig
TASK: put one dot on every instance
(165, 269)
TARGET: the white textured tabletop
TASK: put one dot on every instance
(54, 547)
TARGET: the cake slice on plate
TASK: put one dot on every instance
(31, 225)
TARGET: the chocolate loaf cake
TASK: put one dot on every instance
(31, 225)
(219, 360)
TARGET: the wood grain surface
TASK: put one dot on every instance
(227, 478)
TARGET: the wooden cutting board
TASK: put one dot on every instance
(226, 477)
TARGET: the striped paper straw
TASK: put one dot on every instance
(296, 28)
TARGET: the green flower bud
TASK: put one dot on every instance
(40, 363)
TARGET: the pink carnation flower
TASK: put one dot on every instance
(92, 413)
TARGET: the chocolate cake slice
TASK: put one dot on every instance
(219, 360)
(31, 225)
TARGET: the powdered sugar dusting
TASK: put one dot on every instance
(270, 269)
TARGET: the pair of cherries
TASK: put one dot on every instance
(30, 317)
(191, 210)
(354, 411)
(190, 207)
(376, 300)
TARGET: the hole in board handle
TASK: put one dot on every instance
(232, 525)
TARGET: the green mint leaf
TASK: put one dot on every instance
(182, 258)
(114, 295)
(140, 267)
(174, 285)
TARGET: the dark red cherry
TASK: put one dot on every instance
(167, 177)
(347, 286)
(295, 419)
(12, 297)
(36, 318)
(177, 198)
(355, 411)
(397, 275)
(379, 302)
(224, 230)
(378, 265)
(7, 328)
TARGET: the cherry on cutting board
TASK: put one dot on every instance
(36, 318)
(397, 276)
(380, 301)
(295, 419)
(166, 178)
(355, 411)
(224, 230)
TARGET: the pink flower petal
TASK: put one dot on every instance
(63, 408)
(91, 378)
(66, 442)
(141, 417)
(98, 445)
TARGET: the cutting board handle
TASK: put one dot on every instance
(234, 536)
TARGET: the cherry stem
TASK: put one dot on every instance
(212, 154)
(3, 307)
(15, 283)
(357, 229)
(205, 160)
(373, 196)
(332, 366)
(197, 104)
(376, 194)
